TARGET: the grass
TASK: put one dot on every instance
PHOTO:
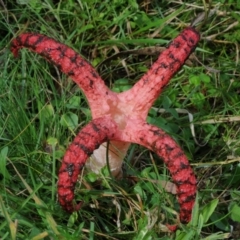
(37, 102)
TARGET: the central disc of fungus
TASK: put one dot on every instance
(119, 117)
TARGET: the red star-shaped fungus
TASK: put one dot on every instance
(119, 117)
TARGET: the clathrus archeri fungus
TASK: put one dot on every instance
(119, 117)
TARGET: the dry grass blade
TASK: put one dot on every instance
(49, 218)
(12, 225)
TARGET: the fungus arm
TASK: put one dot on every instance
(88, 139)
(69, 62)
(158, 141)
(148, 88)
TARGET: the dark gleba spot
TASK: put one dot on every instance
(94, 74)
(155, 132)
(168, 148)
(184, 37)
(183, 165)
(61, 49)
(91, 82)
(163, 65)
(70, 169)
(176, 44)
(191, 41)
(71, 73)
(95, 128)
(96, 146)
(27, 41)
(73, 59)
(39, 40)
(178, 155)
(85, 149)
(172, 56)
(189, 198)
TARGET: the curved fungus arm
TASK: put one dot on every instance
(68, 61)
(88, 139)
(176, 161)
